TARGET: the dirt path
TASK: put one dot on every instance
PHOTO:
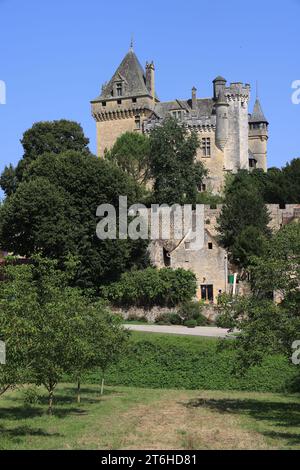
(172, 422)
(174, 425)
(206, 331)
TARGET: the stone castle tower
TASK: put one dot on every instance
(230, 137)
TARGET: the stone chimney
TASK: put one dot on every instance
(150, 79)
(194, 98)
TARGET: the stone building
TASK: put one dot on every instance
(210, 264)
(230, 137)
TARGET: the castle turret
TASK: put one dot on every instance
(258, 137)
(219, 85)
(221, 120)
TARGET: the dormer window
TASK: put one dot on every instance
(178, 114)
(119, 89)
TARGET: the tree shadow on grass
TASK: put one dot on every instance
(15, 434)
(277, 414)
(25, 412)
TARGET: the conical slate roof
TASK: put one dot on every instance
(132, 74)
(258, 115)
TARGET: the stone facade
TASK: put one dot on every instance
(210, 263)
(230, 137)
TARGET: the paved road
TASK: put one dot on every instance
(209, 331)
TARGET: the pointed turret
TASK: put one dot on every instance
(258, 115)
(125, 102)
(128, 81)
(258, 137)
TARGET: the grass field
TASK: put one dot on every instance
(131, 418)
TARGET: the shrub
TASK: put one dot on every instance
(151, 287)
(191, 323)
(192, 311)
(171, 318)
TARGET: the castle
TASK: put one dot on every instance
(230, 137)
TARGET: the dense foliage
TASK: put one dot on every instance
(51, 329)
(53, 212)
(268, 327)
(176, 174)
(243, 223)
(168, 361)
(44, 137)
(131, 153)
(165, 288)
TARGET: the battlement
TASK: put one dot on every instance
(238, 91)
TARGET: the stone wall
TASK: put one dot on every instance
(209, 311)
(150, 314)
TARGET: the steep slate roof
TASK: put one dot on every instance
(204, 107)
(131, 71)
(258, 115)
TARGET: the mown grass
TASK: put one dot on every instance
(131, 418)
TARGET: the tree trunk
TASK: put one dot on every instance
(78, 391)
(102, 385)
(50, 409)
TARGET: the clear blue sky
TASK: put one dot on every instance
(54, 56)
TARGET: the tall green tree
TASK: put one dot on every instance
(44, 137)
(131, 153)
(243, 223)
(174, 169)
(268, 327)
(53, 212)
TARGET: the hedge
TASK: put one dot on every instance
(169, 361)
(151, 287)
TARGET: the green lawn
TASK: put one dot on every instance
(131, 418)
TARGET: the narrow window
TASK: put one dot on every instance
(167, 258)
(119, 89)
(134, 100)
(119, 101)
(137, 122)
(103, 103)
(206, 147)
(210, 246)
(207, 293)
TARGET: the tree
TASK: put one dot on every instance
(174, 169)
(268, 327)
(49, 328)
(131, 153)
(44, 137)
(15, 329)
(291, 173)
(243, 215)
(8, 180)
(53, 212)
(108, 339)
